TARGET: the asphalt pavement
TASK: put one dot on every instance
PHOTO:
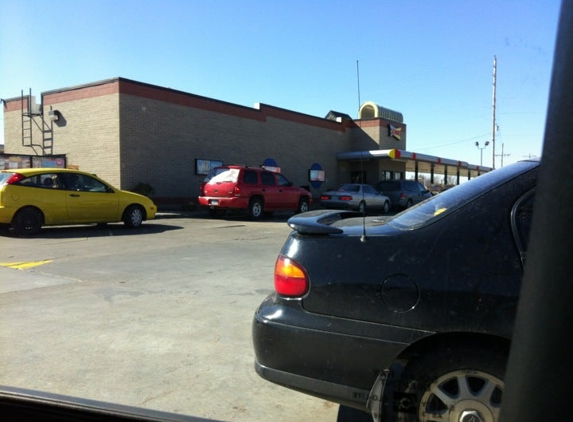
(157, 318)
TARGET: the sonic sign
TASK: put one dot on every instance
(395, 132)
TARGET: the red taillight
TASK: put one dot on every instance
(15, 178)
(290, 277)
(324, 197)
(345, 198)
(237, 191)
(402, 196)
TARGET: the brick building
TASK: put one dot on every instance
(128, 132)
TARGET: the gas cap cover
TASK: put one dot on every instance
(400, 293)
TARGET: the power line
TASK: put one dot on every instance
(454, 143)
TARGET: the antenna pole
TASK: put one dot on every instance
(493, 125)
(363, 238)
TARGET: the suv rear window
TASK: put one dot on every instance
(388, 186)
(219, 175)
(412, 186)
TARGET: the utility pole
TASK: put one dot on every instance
(502, 154)
(493, 124)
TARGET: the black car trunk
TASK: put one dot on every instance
(427, 277)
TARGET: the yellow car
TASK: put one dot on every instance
(36, 197)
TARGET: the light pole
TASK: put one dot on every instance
(481, 151)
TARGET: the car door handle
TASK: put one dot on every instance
(75, 195)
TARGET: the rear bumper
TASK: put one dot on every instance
(332, 358)
(223, 202)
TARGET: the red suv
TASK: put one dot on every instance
(256, 190)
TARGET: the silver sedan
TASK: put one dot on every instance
(355, 196)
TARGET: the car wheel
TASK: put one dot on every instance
(466, 384)
(302, 205)
(362, 207)
(386, 207)
(27, 222)
(350, 414)
(256, 209)
(133, 216)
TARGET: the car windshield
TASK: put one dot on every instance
(450, 200)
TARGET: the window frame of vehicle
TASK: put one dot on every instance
(521, 217)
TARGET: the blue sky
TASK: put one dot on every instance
(431, 60)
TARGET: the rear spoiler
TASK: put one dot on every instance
(319, 221)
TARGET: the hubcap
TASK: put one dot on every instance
(136, 217)
(257, 209)
(463, 396)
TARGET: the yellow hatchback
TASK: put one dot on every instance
(36, 197)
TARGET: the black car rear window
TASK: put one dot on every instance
(448, 201)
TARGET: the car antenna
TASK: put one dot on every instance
(363, 238)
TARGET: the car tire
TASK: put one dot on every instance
(350, 414)
(133, 216)
(27, 222)
(386, 207)
(362, 207)
(452, 384)
(256, 211)
(303, 206)
(409, 203)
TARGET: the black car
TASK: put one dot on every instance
(409, 317)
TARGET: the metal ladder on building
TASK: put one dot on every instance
(31, 111)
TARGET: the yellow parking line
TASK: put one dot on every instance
(24, 265)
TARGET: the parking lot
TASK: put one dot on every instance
(158, 317)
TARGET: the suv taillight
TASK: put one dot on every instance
(290, 277)
(236, 191)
